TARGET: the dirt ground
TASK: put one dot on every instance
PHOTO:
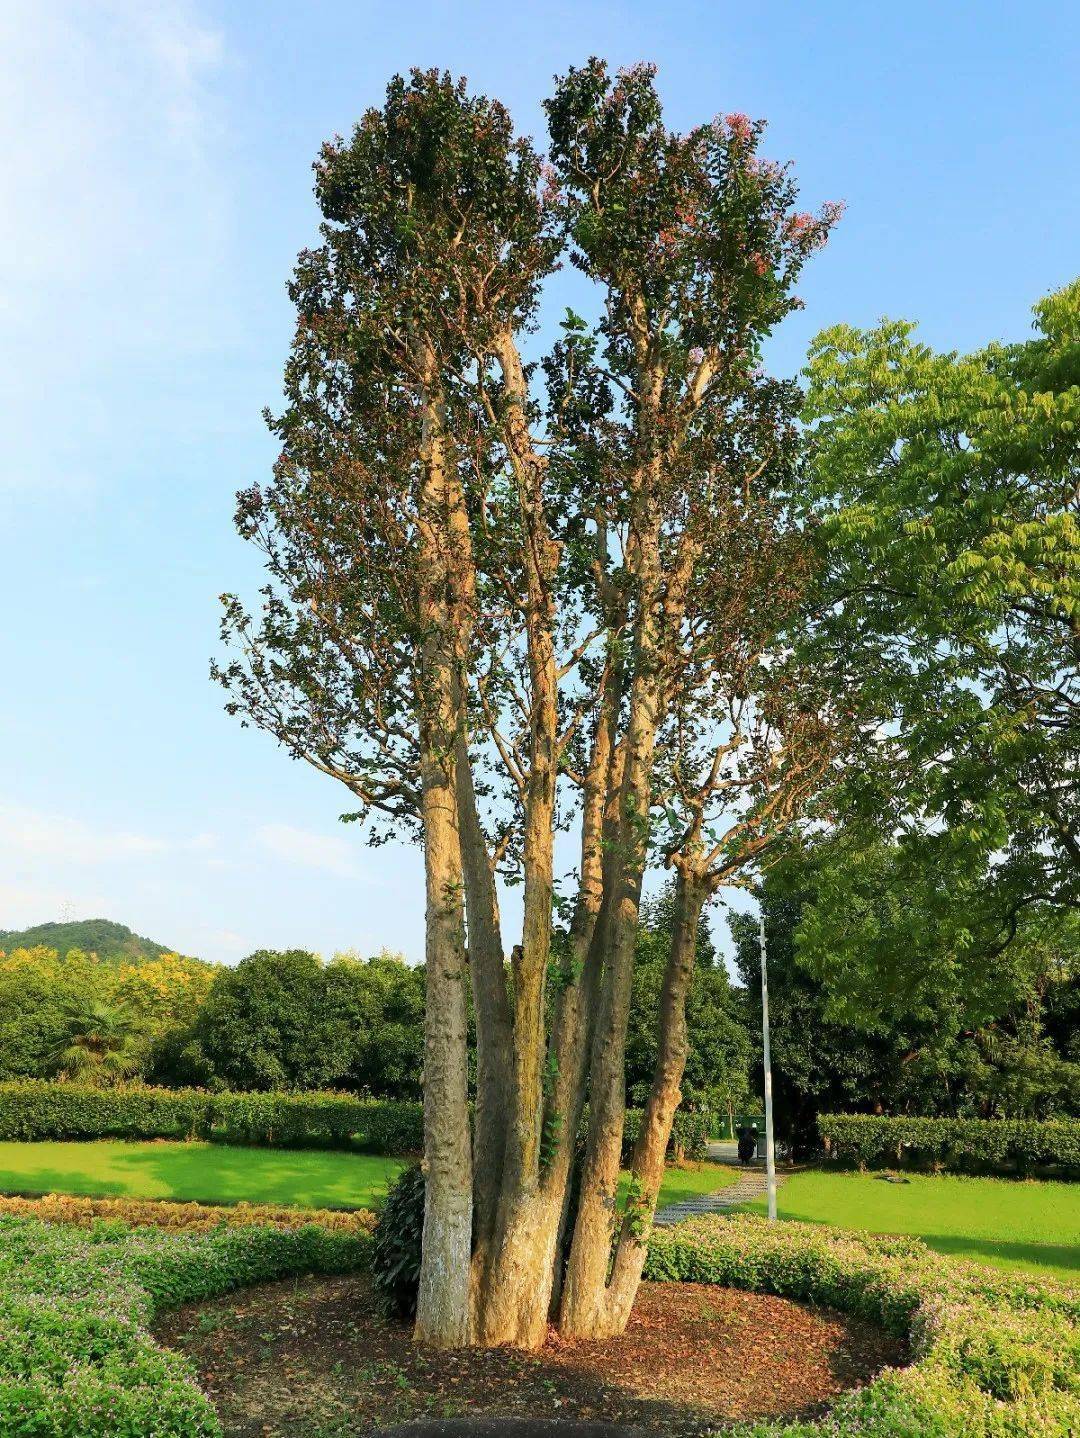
(311, 1358)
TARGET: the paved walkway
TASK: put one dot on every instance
(749, 1185)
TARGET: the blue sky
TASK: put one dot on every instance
(154, 188)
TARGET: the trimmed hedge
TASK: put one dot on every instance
(994, 1356)
(689, 1134)
(35, 1109)
(76, 1359)
(966, 1145)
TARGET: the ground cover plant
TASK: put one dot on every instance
(1033, 1226)
(975, 1354)
(76, 1360)
(993, 1354)
(178, 1216)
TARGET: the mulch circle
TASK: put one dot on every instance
(311, 1358)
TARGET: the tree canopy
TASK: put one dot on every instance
(506, 598)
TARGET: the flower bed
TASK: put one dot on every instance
(182, 1217)
(992, 1355)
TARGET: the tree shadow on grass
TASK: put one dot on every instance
(220, 1173)
(40, 1181)
(1038, 1258)
(203, 1173)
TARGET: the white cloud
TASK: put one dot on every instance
(22, 905)
(222, 941)
(308, 850)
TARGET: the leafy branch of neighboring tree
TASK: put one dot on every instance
(948, 488)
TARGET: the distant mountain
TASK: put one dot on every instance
(94, 936)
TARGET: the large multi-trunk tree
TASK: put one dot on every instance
(501, 608)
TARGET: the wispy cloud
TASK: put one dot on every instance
(27, 833)
(23, 904)
(308, 850)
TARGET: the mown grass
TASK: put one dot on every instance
(199, 1172)
(222, 1173)
(1004, 1222)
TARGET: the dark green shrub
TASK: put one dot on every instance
(396, 1245)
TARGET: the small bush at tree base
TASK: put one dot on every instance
(396, 1246)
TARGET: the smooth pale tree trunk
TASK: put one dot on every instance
(583, 1312)
(650, 1148)
(514, 1306)
(446, 588)
(442, 1315)
(494, 1029)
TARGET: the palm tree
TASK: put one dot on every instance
(100, 1046)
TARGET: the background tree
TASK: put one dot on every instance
(99, 1043)
(948, 491)
(289, 1021)
(873, 1012)
(716, 1077)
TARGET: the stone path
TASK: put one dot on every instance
(749, 1185)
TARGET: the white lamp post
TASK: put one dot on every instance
(770, 1147)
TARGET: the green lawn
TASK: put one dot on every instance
(219, 1173)
(1011, 1224)
(682, 1183)
(204, 1172)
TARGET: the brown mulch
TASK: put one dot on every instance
(310, 1358)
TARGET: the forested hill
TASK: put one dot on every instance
(97, 936)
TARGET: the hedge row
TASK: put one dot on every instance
(34, 1109)
(181, 1217)
(993, 1356)
(76, 1359)
(966, 1145)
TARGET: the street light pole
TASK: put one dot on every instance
(770, 1146)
